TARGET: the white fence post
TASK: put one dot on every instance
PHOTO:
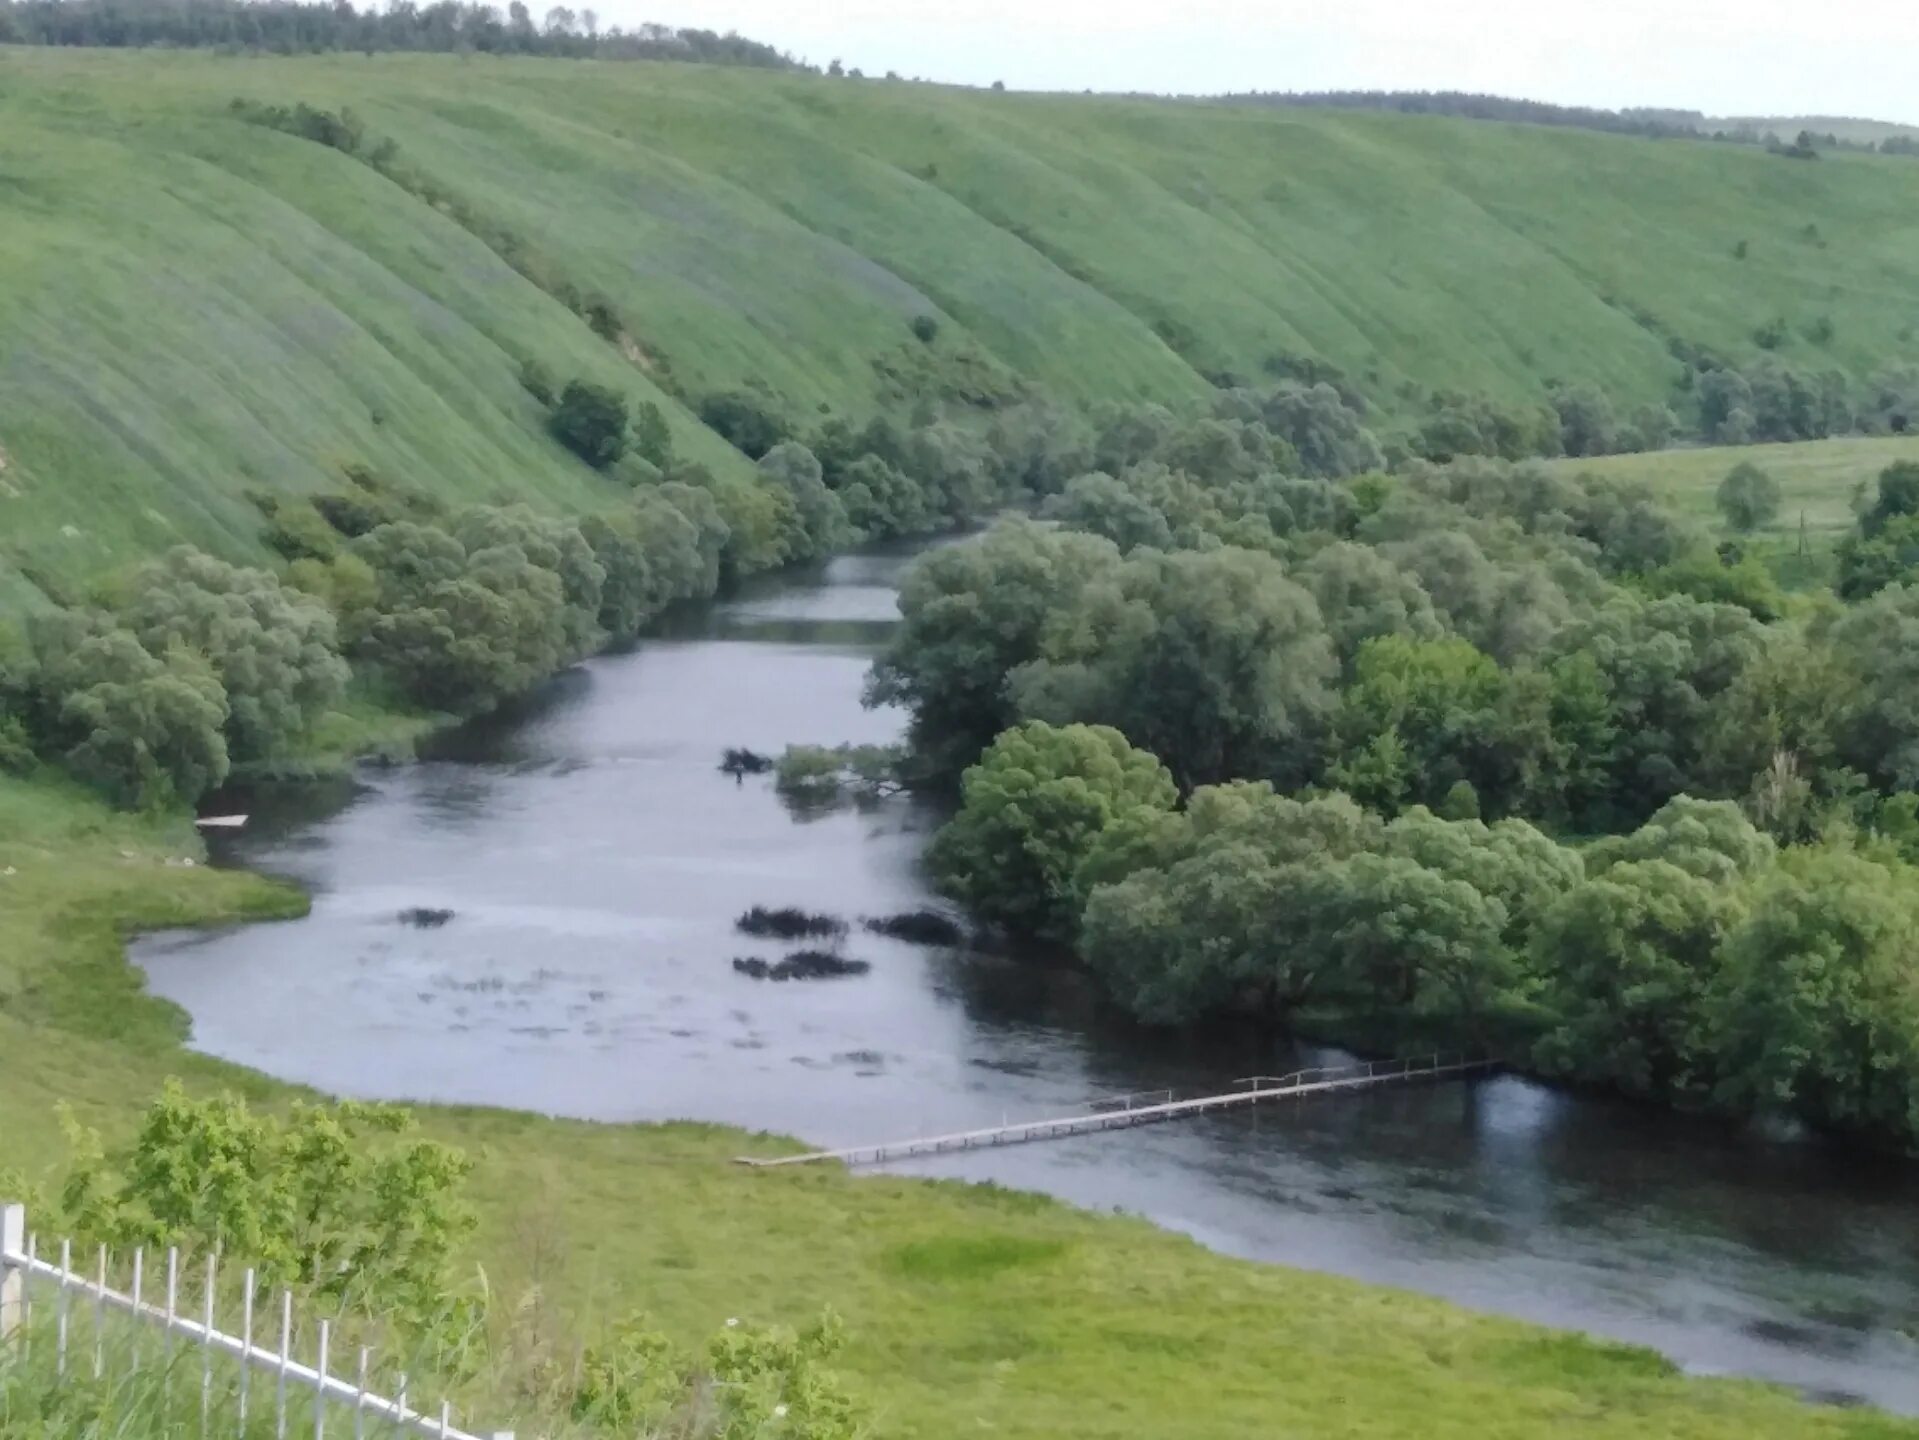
(13, 1282)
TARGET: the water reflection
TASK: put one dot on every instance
(594, 858)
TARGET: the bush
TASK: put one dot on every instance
(744, 421)
(538, 382)
(591, 421)
(926, 329)
(339, 1200)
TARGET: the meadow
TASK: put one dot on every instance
(198, 309)
(1817, 478)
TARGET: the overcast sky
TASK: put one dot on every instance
(1726, 57)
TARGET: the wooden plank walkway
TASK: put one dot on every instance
(1122, 1113)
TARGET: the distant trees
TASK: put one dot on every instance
(818, 525)
(1748, 497)
(1216, 661)
(1884, 548)
(295, 27)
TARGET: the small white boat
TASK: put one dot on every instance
(221, 822)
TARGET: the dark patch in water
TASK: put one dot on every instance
(425, 917)
(801, 965)
(917, 927)
(790, 923)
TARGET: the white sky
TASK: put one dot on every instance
(1726, 57)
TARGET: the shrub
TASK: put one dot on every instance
(538, 382)
(744, 421)
(926, 329)
(591, 421)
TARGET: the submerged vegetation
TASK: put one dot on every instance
(790, 923)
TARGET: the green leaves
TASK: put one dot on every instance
(338, 1200)
(1033, 809)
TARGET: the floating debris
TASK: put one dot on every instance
(423, 917)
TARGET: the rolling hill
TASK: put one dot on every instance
(194, 308)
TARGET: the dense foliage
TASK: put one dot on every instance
(1372, 692)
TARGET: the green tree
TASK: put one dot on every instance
(147, 730)
(1816, 1013)
(820, 526)
(591, 421)
(1876, 645)
(713, 536)
(1627, 959)
(1201, 936)
(1587, 423)
(880, 500)
(1326, 433)
(970, 614)
(1712, 839)
(1748, 497)
(550, 545)
(1897, 497)
(1441, 704)
(1216, 662)
(1101, 505)
(460, 632)
(1407, 935)
(627, 585)
(1362, 594)
(274, 650)
(745, 420)
(1031, 811)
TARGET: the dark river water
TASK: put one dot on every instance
(594, 858)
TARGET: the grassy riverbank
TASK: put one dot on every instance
(972, 1308)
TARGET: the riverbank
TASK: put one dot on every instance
(972, 1307)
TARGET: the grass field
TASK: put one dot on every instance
(193, 307)
(973, 1309)
(1816, 478)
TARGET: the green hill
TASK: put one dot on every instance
(193, 308)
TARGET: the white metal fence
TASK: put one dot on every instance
(35, 1277)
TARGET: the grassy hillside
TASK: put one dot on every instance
(971, 1308)
(192, 307)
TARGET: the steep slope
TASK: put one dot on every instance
(193, 307)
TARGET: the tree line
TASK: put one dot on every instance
(301, 27)
(171, 676)
(1645, 121)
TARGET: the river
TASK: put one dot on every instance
(594, 857)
